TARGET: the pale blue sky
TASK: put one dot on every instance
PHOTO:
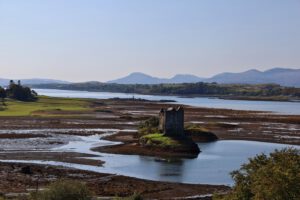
(80, 40)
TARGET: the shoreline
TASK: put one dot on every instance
(114, 114)
(102, 184)
(224, 97)
(129, 146)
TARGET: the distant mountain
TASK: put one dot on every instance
(281, 76)
(34, 81)
(185, 78)
(141, 78)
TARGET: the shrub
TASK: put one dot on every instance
(64, 190)
(268, 177)
(159, 140)
(149, 126)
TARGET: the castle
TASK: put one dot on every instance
(171, 121)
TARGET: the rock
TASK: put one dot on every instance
(26, 170)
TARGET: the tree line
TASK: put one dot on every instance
(18, 92)
(200, 88)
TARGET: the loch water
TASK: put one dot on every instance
(291, 108)
(212, 166)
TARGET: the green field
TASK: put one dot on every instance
(44, 106)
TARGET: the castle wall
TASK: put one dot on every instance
(162, 120)
(172, 121)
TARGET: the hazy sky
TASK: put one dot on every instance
(81, 40)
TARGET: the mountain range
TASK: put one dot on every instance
(33, 81)
(281, 76)
(141, 78)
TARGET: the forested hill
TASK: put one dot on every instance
(185, 89)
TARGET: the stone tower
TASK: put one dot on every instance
(171, 121)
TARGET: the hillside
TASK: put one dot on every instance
(141, 78)
(281, 76)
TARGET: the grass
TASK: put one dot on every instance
(64, 190)
(43, 106)
(158, 139)
(199, 133)
(195, 128)
(178, 145)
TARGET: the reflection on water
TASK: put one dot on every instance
(273, 106)
(212, 166)
(169, 169)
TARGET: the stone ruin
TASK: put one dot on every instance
(171, 121)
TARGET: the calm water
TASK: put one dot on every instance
(212, 166)
(273, 106)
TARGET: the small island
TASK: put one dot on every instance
(167, 133)
(164, 136)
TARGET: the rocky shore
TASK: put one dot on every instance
(131, 146)
(18, 180)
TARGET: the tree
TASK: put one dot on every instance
(149, 126)
(19, 92)
(11, 82)
(275, 177)
(2, 95)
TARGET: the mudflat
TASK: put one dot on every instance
(24, 134)
(37, 177)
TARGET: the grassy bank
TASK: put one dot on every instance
(44, 106)
(159, 140)
(181, 146)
